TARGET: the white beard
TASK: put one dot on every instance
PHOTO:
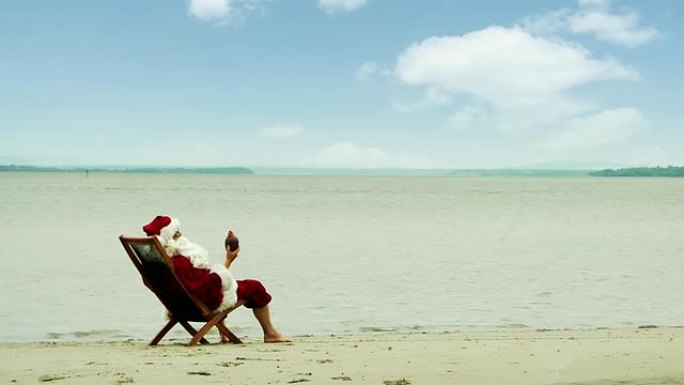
(197, 255)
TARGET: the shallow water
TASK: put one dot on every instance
(350, 254)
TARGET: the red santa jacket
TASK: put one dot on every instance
(204, 284)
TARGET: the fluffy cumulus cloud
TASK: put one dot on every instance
(334, 6)
(504, 66)
(280, 132)
(521, 85)
(596, 18)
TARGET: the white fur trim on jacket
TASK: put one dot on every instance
(228, 285)
(197, 255)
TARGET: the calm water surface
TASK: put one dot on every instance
(350, 254)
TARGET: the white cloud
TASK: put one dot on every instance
(333, 6)
(211, 10)
(550, 22)
(280, 132)
(370, 70)
(347, 154)
(594, 17)
(504, 66)
(351, 155)
(594, 130)
(521, 85)
(619, 29)
(223, 12)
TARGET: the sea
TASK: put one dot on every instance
(349, 254)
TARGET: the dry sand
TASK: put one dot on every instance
(605, 356)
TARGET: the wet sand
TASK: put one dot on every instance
(604, 356)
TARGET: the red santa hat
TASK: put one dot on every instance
(163, 227)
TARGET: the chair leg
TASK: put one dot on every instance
(226, 332)
(163, 332)
(206, 327)
(192, 331)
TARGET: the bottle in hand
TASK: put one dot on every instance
(231, 241)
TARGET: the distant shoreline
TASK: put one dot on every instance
(135, 170)
(306, 171)
(670, 171)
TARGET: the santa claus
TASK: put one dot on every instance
(213, 284)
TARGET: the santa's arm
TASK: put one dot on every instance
(230, 257)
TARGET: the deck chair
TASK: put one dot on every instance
(157, 271)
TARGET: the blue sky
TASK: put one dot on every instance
(341, 83)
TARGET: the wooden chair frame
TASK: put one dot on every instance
(182, 306)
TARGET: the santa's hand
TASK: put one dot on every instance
(230, 257)
(231, 254)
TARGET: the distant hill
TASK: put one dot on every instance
(28, 168)
(670, 171)
(170, 170)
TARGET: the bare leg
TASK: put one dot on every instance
(263, 315)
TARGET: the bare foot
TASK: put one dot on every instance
(276, 337)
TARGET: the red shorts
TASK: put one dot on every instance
(253, 293)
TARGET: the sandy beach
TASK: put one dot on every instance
(602, 356)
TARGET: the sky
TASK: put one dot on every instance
(342, 83)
